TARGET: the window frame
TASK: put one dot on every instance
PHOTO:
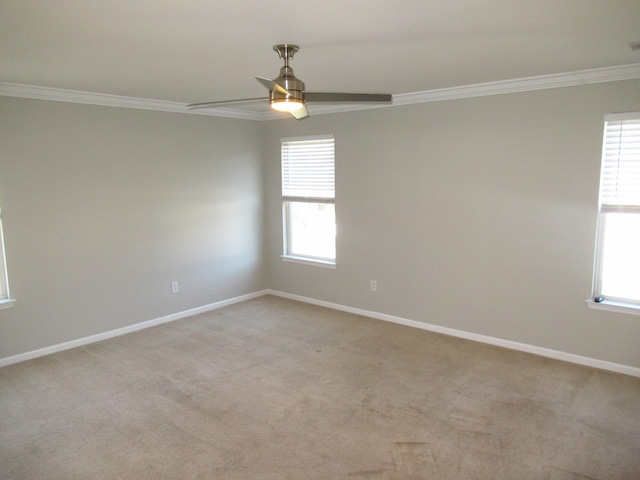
(598, 300)
(288, 200)
(5, 295)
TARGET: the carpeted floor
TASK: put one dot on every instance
(276, 389)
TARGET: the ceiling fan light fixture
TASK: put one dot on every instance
(288, 94)
(286, 104)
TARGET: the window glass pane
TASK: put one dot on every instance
(4, 284)
(313, 229)
(621, 256)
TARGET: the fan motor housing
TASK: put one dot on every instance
(291, 84)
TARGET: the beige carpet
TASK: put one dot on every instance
(275, 389)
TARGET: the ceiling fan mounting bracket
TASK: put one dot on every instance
(286, 50)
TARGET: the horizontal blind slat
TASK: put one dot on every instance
(620, 177)
(308, 168)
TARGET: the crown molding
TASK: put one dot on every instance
(75, 96)
(234, 113)
(581, 77)
(569, 79)
(103, 99)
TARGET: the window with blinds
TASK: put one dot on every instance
(617, 270)
(5, 298)
(620, 178)
(308, 168)
(308, 199)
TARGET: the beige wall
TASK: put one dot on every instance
(104, 207)
(475, 214)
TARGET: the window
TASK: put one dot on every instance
(5, 299)
(308, 199)
(617, 267)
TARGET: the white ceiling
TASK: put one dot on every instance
(191, 51)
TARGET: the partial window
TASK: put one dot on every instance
(5, 297)
(308, 199)
(617, 267)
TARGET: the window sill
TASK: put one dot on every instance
(309, 261)
(619, 307)
(7, 303)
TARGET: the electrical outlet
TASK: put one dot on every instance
(175, 287)
(374, 286)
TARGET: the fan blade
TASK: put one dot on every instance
(195, 106)
(271, 85)
(327, 97)
(300, 113)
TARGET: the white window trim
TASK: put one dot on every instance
(308, 261)
(612, 304)
(286, 241)
(306, 138)
(7, 303)
(5, 296)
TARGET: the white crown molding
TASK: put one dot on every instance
(569, 79)
(581, 77)
(75, 96)
(232, 113)
(89, 98)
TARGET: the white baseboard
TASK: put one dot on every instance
(522, 347)
(544, 352)
(129, 329)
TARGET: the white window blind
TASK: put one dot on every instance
(620, 178)
(308, 168)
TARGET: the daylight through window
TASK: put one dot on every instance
(617, 269)
(5, 298)
(308, 199)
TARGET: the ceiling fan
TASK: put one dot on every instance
(287, 93)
